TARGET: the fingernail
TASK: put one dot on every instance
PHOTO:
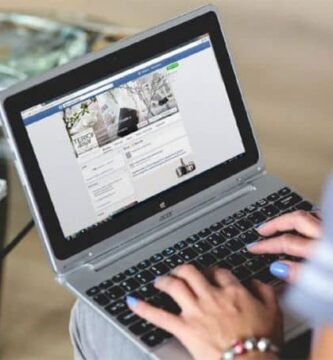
(249, 246)
(316, 208)
(131, 301)
(279, 269)
(257, 227)
(156, 279)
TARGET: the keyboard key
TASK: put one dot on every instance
(241, 272)
(127, 318)
(144, 264)
(156, 258)
(262, 202)
(101, 299)
(181, 245)
(168, 304)
(93, 291)
(154, 337)
(284, 191)
(215, 227)
(236, 259)
(188, 254)
(116, 308)
(168, 251)
(105, 284)
(192, 239)
(270, 210)
(131, 271)
(257, 217)
(246, 254)
(159, 269)
(230, 231)
(204, 233)
(221, 252)
(197, 265)
(119, 277)
(273, 197)
(251, 208)
(249, 236)
(174, 261)
(304, 205)
(288, 201)
(202, 246)
(136, 295)
(155, 301)
(216, 239)
(256, 263)
(145, 277)
(225, 264)
(239, 215)
(129, 285)
(265, 276)
(141, 327)
(206, 260)
(234, 244)
(147, 291)
(227, 221)
(114, 293)
(243, 224)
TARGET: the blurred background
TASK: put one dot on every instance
(283, 53)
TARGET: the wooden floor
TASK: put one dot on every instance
(283, 53)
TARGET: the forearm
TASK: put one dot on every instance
(323, 346)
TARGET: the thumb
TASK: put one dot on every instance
(285, 270)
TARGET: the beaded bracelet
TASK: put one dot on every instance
(240, 347)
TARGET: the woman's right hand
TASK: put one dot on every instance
(307, 228)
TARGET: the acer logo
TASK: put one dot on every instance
(165, 216)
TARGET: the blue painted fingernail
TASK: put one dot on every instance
(316, 208)
(249, 246)
(131, 301)
(156, 279)
(279, 269)
(257, 227)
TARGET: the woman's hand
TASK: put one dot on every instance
(214, 313)
(306, 228)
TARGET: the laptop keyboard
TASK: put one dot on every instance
(221, 244)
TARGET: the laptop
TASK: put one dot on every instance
(140, 158)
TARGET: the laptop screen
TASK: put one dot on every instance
(112, 145)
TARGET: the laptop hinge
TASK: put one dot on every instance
(145, 239)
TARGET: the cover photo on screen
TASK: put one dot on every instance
(119, 112)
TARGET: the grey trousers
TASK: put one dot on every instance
(93, 338)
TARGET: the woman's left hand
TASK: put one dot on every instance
(213, 313)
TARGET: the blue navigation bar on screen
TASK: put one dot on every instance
(123, 80)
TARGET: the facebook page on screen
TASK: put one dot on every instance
(114, 144)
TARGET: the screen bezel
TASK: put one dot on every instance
(97, 70)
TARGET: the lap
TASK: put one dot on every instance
(94, 338)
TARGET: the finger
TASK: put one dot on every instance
(264, 292)
(177, 289)
(301, 221)
(222, 277)
(161, 318)
(285, 270)
(284, 244)
(198, 284)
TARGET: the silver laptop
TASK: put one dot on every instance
(140, 158)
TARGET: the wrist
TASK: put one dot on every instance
(251, 348)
